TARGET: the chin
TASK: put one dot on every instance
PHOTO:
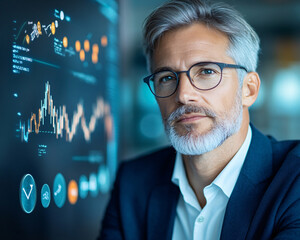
(192, 130)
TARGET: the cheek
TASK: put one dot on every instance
(165, 107)
(163, 110)
(224, 100)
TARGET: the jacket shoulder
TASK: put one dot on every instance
(149, 169)
(154, 159)
(285, 153)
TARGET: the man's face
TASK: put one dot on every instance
(211, 115)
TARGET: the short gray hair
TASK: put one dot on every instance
(243, 40)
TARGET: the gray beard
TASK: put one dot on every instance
(193, 143)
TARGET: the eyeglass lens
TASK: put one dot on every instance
(202, 76)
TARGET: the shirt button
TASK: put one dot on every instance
(200, 219)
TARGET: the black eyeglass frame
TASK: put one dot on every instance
(221, 65)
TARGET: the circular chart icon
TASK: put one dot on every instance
(45, 196)
(83, 186)
(93, 185)
(103, 179)
(27, 193)
(59, 190)
(72, 192)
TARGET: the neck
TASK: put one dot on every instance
(202, 169)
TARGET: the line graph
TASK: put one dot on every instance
(59, 119)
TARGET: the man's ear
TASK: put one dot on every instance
(251, 85)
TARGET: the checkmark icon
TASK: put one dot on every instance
(27, 193)
(28, 196)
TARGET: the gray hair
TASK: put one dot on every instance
(243, 40)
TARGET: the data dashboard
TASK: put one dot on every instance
(59, 144)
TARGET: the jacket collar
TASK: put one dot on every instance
(162, 204)
(162, 212)
(249, 188)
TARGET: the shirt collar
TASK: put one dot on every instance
(180, 179)
(225, 180)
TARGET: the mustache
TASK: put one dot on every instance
(185, 109)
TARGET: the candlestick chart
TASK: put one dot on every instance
(60, 121)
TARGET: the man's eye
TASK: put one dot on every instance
(207, 71)
(166, 79)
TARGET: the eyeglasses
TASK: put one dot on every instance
(203, 76)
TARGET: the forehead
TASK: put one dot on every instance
(184, 46)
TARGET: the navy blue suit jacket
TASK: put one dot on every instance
(264, 204)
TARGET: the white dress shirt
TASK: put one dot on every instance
(193, 222)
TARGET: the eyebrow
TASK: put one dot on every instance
(162, 69)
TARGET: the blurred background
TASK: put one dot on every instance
(277, 109)
(132, 125)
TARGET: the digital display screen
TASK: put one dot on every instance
(59, 100)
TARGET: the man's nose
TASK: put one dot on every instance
(186, 93)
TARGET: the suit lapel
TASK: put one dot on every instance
(162, 211)
(249, 188)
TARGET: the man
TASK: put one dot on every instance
(224, 180)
